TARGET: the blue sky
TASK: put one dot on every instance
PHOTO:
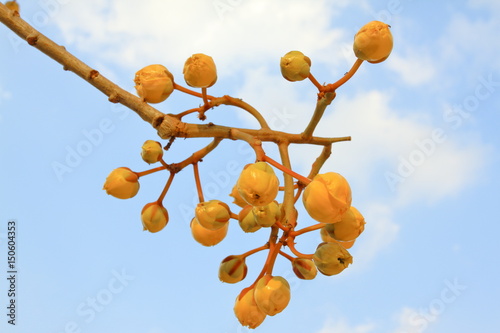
(422, 165)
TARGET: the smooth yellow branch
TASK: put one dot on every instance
(320, 160)
(291, 245)
(73, 64)
(167, 186)
(306, 229)
(288, 197)
(261, 248)
(321, 106)
(150, 171)
(198, 182)
(333, 86)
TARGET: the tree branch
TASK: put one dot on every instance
(167, 125)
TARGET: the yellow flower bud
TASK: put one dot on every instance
(213, 214)
(12, 5)
(152, 151)
(247, 221)
(325, 236)
(349, 228)
(258, 184)
(233, 269)
(304, 268)
(205, 236)
(154, 83)
(238, 200)
(327, 197)
(247, 311)
(154, 217)
(267, 215)
(200, 71)
(373, 42)
(272, 294)
(122, 183)
(331, 258)
(295, 66)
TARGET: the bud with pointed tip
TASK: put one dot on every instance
(152, 151)
(304, 268)
(238, 200)
(213, 214)
(295, 66)
(373, 42)
(267, 215)
(247, 221)
(154, 83)
(154, 217)
(205, 236)
(258, 184)
(122, 183)
(349, 228)
(327, 197)
(331, 258)
(327, 238)
(272, 294)
(233, 269)
(200, 71)
(247, 311)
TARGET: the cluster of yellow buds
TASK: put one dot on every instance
(326, 197)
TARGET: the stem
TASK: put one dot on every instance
(307, 229)
(292, 248)
(185, 130)
(288, 198)
(333, 86)
(286, 170)
(75, 65)
(198, 182)
(261, 248)
(315, 82)
(185, 113)
(321, 105)
(299, 192)
(205, 98)
(191, 92)
(273, 251)
(286, 255)
(148, 172)
(318, 163)
(228, 100)
(252, 141)
(197, 156)
(167, 186)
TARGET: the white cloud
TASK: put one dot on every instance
(4, 94)
(341, 326)
(380, 232)
(489, 4)
(409, 321)
(414, 66)
(251, 32)
(471, 43)
(446, 171)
